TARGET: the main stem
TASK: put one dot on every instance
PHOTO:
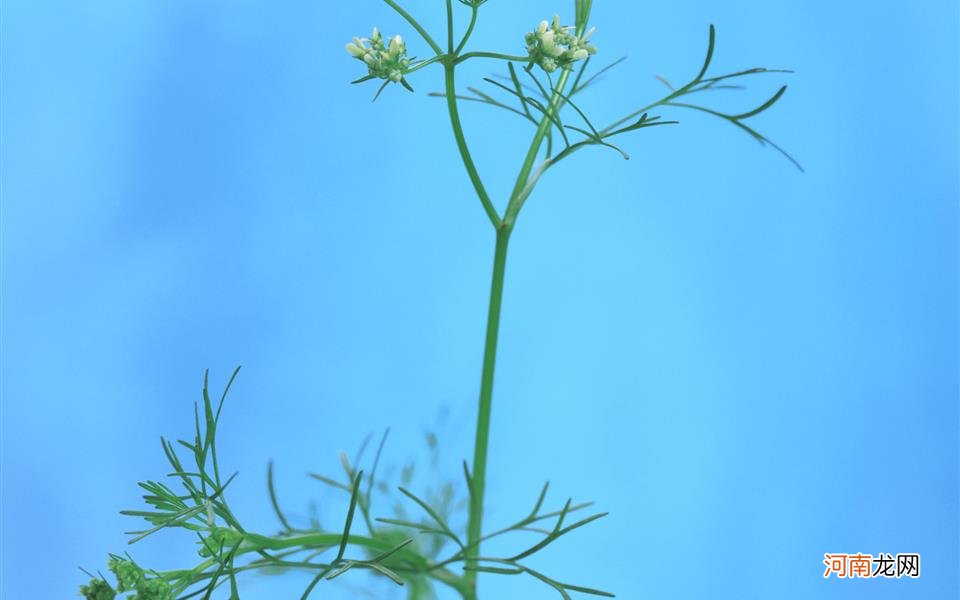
(503, 227)
(479, 475)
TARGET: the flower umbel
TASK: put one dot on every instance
(130, 578)
(554, 46)
(98, 589)
(385, 60)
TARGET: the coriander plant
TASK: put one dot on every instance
(416, 546)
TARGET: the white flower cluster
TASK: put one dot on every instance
(553, 46)
(384, 61)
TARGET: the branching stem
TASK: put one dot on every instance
(457, 126)
(416, 25)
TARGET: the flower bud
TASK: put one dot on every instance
(396, 45)
(98, 589)
(385, 59)
(553, 46)
(548, 44)
(127, 572)
(154, 589)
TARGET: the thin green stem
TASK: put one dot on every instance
(469, 32)
(665, 101)
(521, 190)
(451, 93)
(416, 25)
(481, 445)
(296, 544)
(496, 55)
(661, 102)
(449, 26)
(479, 475)
(426, 63)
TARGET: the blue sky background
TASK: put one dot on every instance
(747, 366)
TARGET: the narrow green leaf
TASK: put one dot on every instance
(749, 130)
(762, 107)
(709, 58)
(579, 112)
(385, 572)
(576, 81)
(586, 590)
(380, 91)
(359, 454)
(208, 412)
(557, 533)
(495, 570)
(388, 553)
(273, 498)
(350, 512)
(331, 482)
(593, 78)
(540, 499)
(469, 480)
(554, 584)
(519, 89)
(223, 396)
(376, 463)
(220, 491)
(433, 514)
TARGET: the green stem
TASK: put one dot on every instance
(450, 27)
(497, 55)
(416, 25)
(481, 445)
(521, 190)
(294, 544)
(466, 36)
(425, 63)
(451, 93)
(479, 475)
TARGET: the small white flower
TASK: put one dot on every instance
(355, 50)
(549, 45)
(396, 46)
(384, 59)
(553, 46)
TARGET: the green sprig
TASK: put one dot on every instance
(431, 550)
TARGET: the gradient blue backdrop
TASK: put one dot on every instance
(747, 366)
